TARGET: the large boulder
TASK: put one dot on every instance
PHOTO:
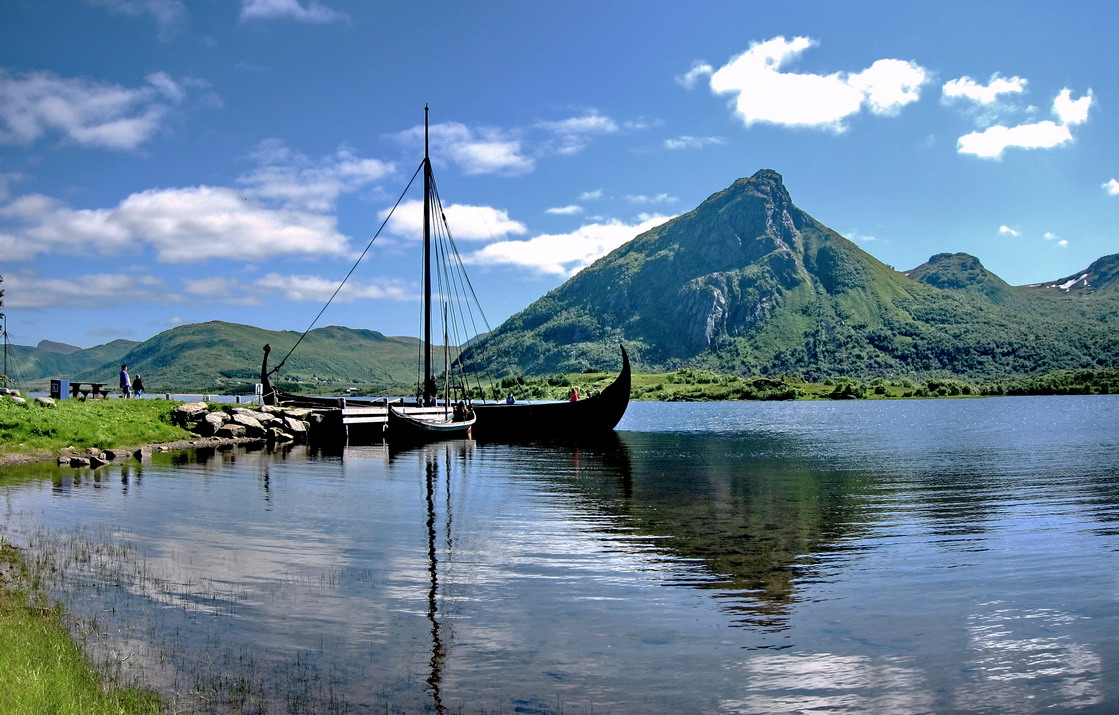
(189, 413)
(230, 430)
(252, 426)
(211, 423)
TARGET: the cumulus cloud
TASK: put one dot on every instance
(572, 135)
(563, 254)
(690, 142)
(168, 14)
(83, 111)
(991, 142)
(1071, 111)
(969, 89)
(699, 70)
(1008, 231)
(28, 290)
(180, 225)
(315, 289)
(764, 93)
(644, 199)
(281, 208)
(475, 151)
(468, 223)
(589, 123)
(1111, 187)
(310, 184)
(565, 210)
(312, 11)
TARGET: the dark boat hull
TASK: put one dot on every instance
(557, 420)
(586, 418)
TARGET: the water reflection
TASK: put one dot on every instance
(791, 563)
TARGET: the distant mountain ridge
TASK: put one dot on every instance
(748, 283)
(745, 283)
(218, 357)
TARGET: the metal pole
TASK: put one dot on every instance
(4, 331)
(427, 396)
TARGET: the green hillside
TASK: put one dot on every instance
(219, 357)
(749, 284)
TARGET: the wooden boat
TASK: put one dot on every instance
(575, 419)
(402, 425)
(557, 420)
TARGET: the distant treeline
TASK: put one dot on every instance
(703, 385)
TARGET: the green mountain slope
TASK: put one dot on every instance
(749, 283)
(219, 357)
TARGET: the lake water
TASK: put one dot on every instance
(893, 556)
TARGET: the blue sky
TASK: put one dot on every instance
(172, 161)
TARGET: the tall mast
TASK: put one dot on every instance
(428, 392)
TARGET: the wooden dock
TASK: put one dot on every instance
(379, 414)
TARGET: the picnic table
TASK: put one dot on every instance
(91, 390)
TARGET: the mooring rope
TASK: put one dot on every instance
(352, 269)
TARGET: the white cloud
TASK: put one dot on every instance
(475, 151)
(572, 134)
(1049, 236)
(691, 78)
(315, 289)
(1007, 230)
(28, 290)
(766, 94)
(596, 194)
(967, 88)
(690, 142)
(168, 14)
(590, 123)
(993, 141)
(565, 210)
(282, 209)
(1071, 111)
(468, 223)
(889, 85)
(862, 238)
(297, 181)
(180, 225)
(563, 254)
(1111, 187)
(288, 10)
(85, 112)
(643, 199)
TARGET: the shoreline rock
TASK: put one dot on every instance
(212, 429)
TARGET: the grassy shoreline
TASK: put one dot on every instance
(45, 670)
(32, 431)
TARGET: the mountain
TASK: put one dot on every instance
(1100, 277)
(225, 357)
(35, 365)
(749, 283)
(61, 348)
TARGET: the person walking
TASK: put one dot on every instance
(125, 383)
(137, 386)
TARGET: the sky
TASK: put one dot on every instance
(165, 162)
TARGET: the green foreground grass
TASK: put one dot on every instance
(44, 671)
(33, 430)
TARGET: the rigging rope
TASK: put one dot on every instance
(352, 269)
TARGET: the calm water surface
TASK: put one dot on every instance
(900, 556)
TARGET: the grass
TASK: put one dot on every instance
(36, 430)
(44, 671)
